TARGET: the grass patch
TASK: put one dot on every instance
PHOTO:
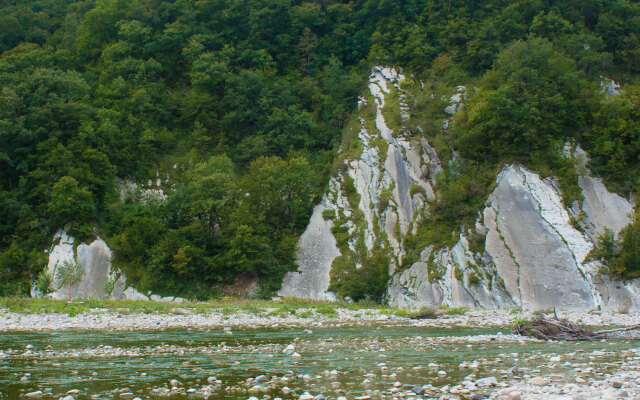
(327, 310)
(401, 312)
(415, 188)
(328, 214)
(391, 111)
(368, 114)
(303, 308)
(456, 311)
(424, 313)
(457, 272)
(305, 314)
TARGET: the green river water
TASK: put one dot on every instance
(143, 360)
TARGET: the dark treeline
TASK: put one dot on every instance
(235, 110)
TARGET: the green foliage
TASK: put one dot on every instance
(415, 188)
(613, 141)
(44, 283)
(303, 308)
(518, 322)
(620, 255)
(474, 278)
(435, 271)
(458, 273)
(350, 191)
(576, 221)
(477, 241)
(531, 101)
(70, 204)
(502, 284)
(328, 214)
(216, 225)
(383, 199)
(391, 111)
(456, 311)
(462, 189)
(68, 273)
(305, 314)
(424, 313)
(366, 281)
(108, 287)
(327, 310)
(401, 312)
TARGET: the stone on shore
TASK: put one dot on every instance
(538, 381)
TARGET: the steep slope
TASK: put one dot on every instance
(534, 256)
(538, 258)
(372, 200)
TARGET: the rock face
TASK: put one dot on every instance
(535, 249)
(94, 259)
(537, 252)
(375, 196)
(603, 209)
(317, 251)
(534, 257)
(94, 262)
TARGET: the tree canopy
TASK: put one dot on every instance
(234, 110)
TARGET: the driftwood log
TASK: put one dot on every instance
(562, 329)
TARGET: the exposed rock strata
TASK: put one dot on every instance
(392, 177)
(535, 256)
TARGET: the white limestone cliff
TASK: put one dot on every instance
(94, 263)
(392, 179)
(317, 250)
(534, 253)
(534, 257)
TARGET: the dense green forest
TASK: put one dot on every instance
(235, 109)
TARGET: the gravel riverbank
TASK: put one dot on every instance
(98, 319)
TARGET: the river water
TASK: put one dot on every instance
(333, 361)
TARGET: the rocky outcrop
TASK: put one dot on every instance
(457, 283)
(375, 196)
(317, 250)
(92, 260)
(97, 278)
(532, 250)
(603, 209)
(535, 252)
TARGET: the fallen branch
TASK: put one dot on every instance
(562, 329)
(607, 331)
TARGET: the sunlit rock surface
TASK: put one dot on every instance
(603, 209)
(93, 260)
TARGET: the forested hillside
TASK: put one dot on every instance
(232, 112)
